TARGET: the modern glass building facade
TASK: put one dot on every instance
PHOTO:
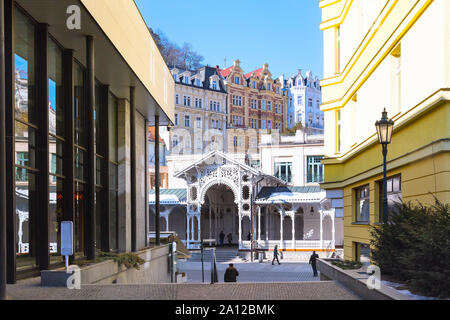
(76, 101)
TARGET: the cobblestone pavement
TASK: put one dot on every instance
(324, 290)
(251, 272)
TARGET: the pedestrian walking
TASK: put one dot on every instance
(231, 273)
(230, 238)
(275, 254)
(312, 262)
(221, 238)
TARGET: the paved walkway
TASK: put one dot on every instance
(324, 290)
(251, 272)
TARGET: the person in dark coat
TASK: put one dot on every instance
(312, 262)
(230, 238)
(221, 238)
(275, 254)
(230, 274)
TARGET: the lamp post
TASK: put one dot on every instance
(384, 132)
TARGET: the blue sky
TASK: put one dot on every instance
(283, 33)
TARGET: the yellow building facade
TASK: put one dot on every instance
(392, 54)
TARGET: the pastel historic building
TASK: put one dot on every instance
(384, 54)
(304, 96)
(256, 105)
(200, 112)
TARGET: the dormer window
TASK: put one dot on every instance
(197, 82)
(236, 80)
(186, 79)
(214, 85)
(278, 90)
(254, 84)
(175, 77)
(269, 86)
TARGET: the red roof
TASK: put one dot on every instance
(151, 130)
(226, 72)
(257, 72)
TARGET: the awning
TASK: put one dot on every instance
(279, 195)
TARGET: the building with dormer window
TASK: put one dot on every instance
(304, 99)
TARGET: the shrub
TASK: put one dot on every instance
(347, 264)
(414, 247)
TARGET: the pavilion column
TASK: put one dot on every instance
(216, 212)
(240, 230)
(293, 229)
(259, 223)
(210, 223)
(198, 227)
(281, 228)
(166, 217)
(133, 167)
(267, 224)
(321, 229)
(333, 230)
(188, 230)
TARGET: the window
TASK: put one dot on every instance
(263, 124)
(176, 119)
(315, 169)
(254, 123)
(263, 104)
(197, 82)
(175, 77)
(217, 124)
(278, 90)
(362, 204)
(198, 122)
(310, 103)
(253, 84)
(269, 86)
(235, 141)
(318, 104)
(175, 141)
(198, 103)
(186, 80)
(236, 80)
(177, 99)
(269, 105)
(218, 106)
(187, 121)
(394, 195)
(214, 85)
(338, 131)
(283, 171)
(269, 124)
(338, 49)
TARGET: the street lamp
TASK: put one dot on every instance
(384, 132)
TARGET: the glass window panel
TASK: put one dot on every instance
(56, 214)
(24, 67)
(80, 106)
(25, 143)
(56, 155)
(26, 221)
(98, 218)
(362, 204)
(79, 164)
(79, 219)
(55, 92)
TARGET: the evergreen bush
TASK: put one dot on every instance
(414, 247)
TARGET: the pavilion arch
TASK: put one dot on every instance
(226, 182)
